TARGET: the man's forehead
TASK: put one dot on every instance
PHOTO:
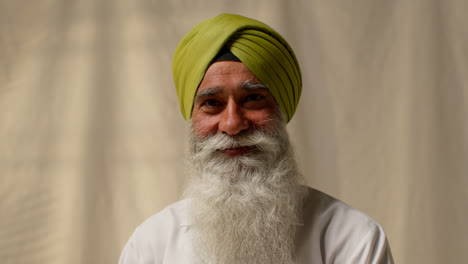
(228, 74)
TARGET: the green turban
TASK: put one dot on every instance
(262, 50)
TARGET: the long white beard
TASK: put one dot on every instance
(244, 209)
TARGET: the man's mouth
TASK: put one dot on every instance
(233, 152)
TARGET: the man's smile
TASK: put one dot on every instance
(233, 152)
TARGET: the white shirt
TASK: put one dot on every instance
(332, 232)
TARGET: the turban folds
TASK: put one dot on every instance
(260, 48)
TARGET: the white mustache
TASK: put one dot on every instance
(266, 143)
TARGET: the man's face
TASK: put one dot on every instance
(231, 100)
(244, 192)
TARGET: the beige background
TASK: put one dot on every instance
(92, 141)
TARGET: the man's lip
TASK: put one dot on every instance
(235, 151)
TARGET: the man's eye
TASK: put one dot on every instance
(254, 101)
(211, 106)
(211, 103)
(253, 97)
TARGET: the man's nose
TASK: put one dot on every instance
(232, 120)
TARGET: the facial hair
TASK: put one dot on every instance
(244, 209)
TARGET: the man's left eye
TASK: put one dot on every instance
(253, 97)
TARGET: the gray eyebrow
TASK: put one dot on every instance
(248, 85)
(209, 92)
(251, 86)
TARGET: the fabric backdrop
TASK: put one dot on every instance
(92, 141)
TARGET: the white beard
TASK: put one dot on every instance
(244, 209)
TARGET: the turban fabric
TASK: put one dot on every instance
(262, 50)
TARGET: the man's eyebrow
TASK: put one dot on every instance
(209, 92)
(252, 86)
(248, 85)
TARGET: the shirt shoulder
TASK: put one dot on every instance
(172, 215)
(338, 233)
(152, 239)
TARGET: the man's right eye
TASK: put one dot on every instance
(211, 103)
(211, 106)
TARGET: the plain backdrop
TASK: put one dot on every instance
(92, 141)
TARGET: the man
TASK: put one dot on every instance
(239, 83)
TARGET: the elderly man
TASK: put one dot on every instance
(239, 83)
